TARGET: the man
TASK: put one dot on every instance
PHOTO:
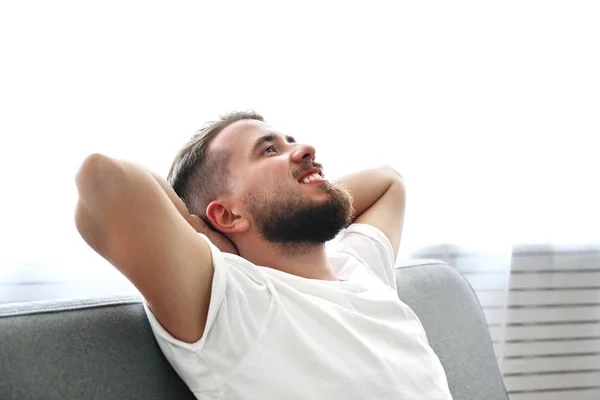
(242, 295)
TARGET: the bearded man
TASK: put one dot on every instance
(243, 296)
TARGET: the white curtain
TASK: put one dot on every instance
(490, 111)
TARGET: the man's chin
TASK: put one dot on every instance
(302, 229)
(303, 218)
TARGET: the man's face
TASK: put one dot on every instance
(267, 168)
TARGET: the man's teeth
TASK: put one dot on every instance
(312, 177)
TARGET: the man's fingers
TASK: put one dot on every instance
(197, 223)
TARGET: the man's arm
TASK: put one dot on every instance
(134, 220)
(379, 200)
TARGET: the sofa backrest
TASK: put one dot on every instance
(83, 349)
(103, 348)
(456, 327)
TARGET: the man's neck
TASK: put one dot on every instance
(305, 261)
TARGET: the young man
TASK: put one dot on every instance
(242, 295)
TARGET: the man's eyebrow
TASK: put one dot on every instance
(269, 138)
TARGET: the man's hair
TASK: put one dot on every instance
(199, 175)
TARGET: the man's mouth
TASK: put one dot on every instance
(312, 178)
(312, 175)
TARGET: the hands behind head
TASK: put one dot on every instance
(218, 239)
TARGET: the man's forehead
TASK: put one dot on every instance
(240, 135)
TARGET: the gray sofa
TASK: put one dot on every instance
(103, 348)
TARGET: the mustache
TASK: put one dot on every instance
(309, 167)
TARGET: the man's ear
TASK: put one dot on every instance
(225, 219)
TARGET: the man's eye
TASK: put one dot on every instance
(269, 148)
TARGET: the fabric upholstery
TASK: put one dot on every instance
(456, 328)
(88, 351)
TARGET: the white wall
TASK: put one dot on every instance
(490, 111)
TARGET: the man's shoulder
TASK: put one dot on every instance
(365, 245)
(361, 230)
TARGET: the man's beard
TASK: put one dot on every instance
(298, 223)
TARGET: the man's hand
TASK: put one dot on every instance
(379, 200)
(368, 186)
(221, 241)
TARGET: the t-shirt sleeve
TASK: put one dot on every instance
(372, 248)
(232, 326)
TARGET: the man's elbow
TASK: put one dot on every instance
(397, 188)
(92, 168)
(394, 175)
(99, 179)
(101, 185)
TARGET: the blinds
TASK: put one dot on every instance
(542, 304)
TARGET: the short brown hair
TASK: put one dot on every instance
(198, 175)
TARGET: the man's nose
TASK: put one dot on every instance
(303, 153)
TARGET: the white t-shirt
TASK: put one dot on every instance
(273, 335)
